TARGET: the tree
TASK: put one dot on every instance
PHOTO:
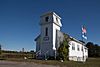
(63, 50)
(32, 51)
(97, 50)
(93, 49)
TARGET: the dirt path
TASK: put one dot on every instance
(22, 64)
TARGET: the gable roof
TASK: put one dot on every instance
(72, 38)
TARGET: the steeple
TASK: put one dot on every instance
(50, 22)
(50, 17)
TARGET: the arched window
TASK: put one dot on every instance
(46, 31)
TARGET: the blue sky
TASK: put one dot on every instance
(19, 20)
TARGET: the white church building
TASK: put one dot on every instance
(50, 37)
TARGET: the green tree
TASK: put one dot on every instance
(63, 50)
(93, 49)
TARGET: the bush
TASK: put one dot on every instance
(63, 51)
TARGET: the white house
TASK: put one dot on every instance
(50, 37)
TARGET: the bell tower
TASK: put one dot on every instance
(49, 22)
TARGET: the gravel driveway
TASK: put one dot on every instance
(22, 64)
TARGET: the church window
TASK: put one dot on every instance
(73, 46)
(46, 31)
(82, 48)
(46, 19)
(78, 47)
(57, 19)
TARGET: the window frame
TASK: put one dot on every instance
(46, 31)
(47, 18)
(73, 46)
(78, 48)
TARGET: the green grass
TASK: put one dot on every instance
(91, 62)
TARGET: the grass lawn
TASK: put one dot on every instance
(91, 62)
